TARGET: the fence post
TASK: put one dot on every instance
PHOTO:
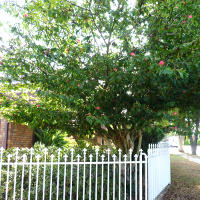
(120, 151)
(77, 184)
(108, 174)
(72, 160)
(58, 174)
(44, 173)
(37, 176)
(51, 176)
(7, 180)
(102, 157)
(15, 176)
(114, 160)
(140, 175)
(30, 171)
(136, 178)
(84, 160)
(2, 149)
(130, 158)
(65, 157)
(96, 181)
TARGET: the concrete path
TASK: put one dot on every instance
(191, 158)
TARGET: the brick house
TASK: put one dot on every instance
(15, 135)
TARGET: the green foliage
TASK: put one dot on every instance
(96, 64)
(154, 136)
(50, 137)
(187, 141)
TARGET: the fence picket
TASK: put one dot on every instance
(130, 158)
(120, 151)
(72, 157)
(97, 152)
(64, 186)
(58, 175)
(15, 175)
(7, 180)
(30, 172)
(77, 183)
(107, 178)
(44, 173)
(2, 150)
(37, 176)
(50, 195)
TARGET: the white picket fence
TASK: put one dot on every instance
(86, 176)
(159, 173)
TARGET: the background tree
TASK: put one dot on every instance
(187, 124)
(103, 68)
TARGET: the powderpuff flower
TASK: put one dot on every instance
(190, 16)
(98, 108)
(132, 53)
(115, 69)
(161, 63)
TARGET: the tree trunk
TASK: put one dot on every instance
(180, 143)
(193, 143)
(194, 138)
(139, 142)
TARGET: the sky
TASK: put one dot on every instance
(6, 19)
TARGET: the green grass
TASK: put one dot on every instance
(185, 180)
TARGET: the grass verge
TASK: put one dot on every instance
(185, 180)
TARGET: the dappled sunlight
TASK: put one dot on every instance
(198, 187)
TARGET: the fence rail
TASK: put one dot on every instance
(83, 175)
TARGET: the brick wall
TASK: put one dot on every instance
(19, 136)
(3, 132)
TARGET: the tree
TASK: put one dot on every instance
(187, 124)
(91, 70)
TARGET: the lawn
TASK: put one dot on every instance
(185, 180)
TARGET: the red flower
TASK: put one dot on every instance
(175, 127)
(115, 69)
(132, 53)
(98, 108)
(79, 41)
(161, 63)
(1, 63)
(0, 103)
(190, 16)
(183, 21)
(38, 106)
(175, 113)
(25, 15)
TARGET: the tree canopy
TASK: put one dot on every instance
(106, 68)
